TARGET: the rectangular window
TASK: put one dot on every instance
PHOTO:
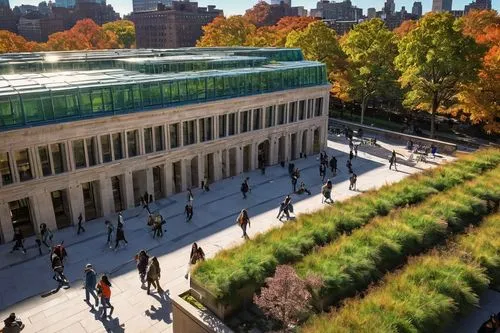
(23, 165)
(159, 138)
(292, 112)
(302, 110)
(222, 125)
(319, 107)
(205, 129)
(244, 121)
(117, 146)
(174, 130)
(5, 169)
(281, 114)
(232, 124)
(79, 154)
(270, 116)
(257, 119)
(132, 143)
(310, 108)
(43, 153)
(148, 140)
(189, 132)
(91, 151)
(106, 149)
(59, 157)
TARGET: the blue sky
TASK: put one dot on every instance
(232, 7)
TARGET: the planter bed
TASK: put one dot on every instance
(349, 265)
(235, 273)
(428, 293)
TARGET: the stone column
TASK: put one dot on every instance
(253, 156)
(76, 204)
(184, 175)
(6, 228)
(128, 183)
(167, 176)
(239, 160)
(201, 169)
(150, 182)
(42, 210)
(106, 195)
(287, 147)
(273, 150)
(218, 165)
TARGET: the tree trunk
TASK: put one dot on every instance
(364, 104)
(433, 115)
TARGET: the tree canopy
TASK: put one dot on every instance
(124, 31)
(231, 31)
(435, 58)
(370, 48)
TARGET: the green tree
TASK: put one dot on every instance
(370, 48)
(435, 59)
(124, 31)
(318, 42)
(231, 31)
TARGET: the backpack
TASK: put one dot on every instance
(244, 187)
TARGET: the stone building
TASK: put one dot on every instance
(91, 132)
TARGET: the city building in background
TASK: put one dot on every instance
(170, 27)
(389, 7)
(479, 5)
(371, 13)
(417, 9)
(286, 2)
(441, 5)
(342, 11)
(65, 3)
(8, 21)
(148, 5)
(90, 132)
(37, 27)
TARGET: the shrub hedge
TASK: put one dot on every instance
(352, 263)
(249, 264)
(428, 293)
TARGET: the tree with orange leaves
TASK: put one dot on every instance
(259, 14)
(10, 42)
(288, 24)
(405, 28)
(476, 22)
(231, 31)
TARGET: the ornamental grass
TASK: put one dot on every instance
(353, 262)
(249, 264)
(428, 293)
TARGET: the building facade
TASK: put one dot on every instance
(342, 11)
(172, 27)
(92, 142)
(416, 9)
(65, 3)
(478, 5)
(286, 2)
(38, 28)
(148, 5)
(441, 5)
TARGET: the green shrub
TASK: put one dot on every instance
(251, 263)
(428, 293)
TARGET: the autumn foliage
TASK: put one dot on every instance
(85, 35)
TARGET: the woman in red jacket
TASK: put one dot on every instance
(104, 290)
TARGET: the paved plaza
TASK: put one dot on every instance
(25, 280)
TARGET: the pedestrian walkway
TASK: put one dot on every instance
(24, 279)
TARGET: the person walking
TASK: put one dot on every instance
(18, 241)
(142, 260)
(245, 188)
(157, 226)
(120, 222)
(104, 291)
(356, 151)
(90, 284)
(352, 182)
(348, 164)
(153, 275)
(243, 221)
(285, 208)
(80, 227)
(109, 231)
(46, 235)
(326, 191)
(206, 187)
(120, 236)
(190, 197)
(58, 268)
(12, 324)
(294, 183)
(392, 161)
(333, 165)
(188, 210)
(351, 155)
(322, 171)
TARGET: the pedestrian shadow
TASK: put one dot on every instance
(110, 324)
(162, 313)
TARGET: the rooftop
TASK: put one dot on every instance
(52, 87)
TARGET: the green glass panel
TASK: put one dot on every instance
(48, 110)
(192, 87)
(85, 102)
(33, 109)
(97, 101)
(183, 94)
(136, 94)
(175, 92)
(202, 89)
(72, 103)
(219, 87)
(210, 88)
(107, 99)
(7, 117)
(60, 107)
(165, 86)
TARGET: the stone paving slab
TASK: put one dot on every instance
(212, 227)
